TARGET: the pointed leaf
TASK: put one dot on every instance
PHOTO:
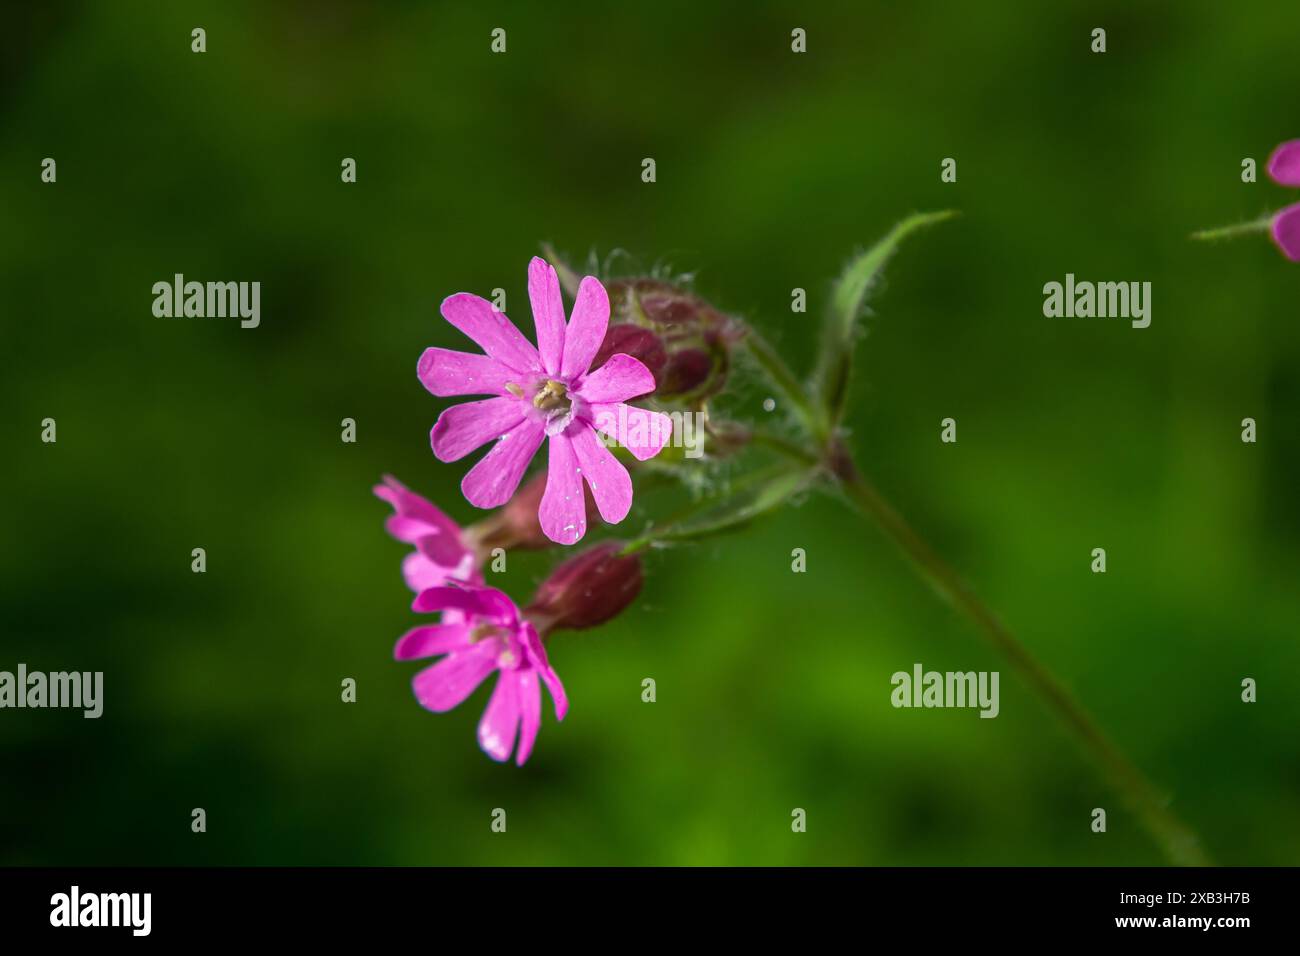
(848, 299)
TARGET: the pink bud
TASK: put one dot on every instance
(683, 340)
(689, 371)
(587, 590)
(669, 307)
(641, 344)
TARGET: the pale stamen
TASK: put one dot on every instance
(551, 395)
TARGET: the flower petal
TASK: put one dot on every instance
(480, 601)
(561, 699)
(500, 723)
(609, 481)
(491, 331)
(420, 573)
(548, 313)
(445, 550)
(530, 712)
(563, 513)
(619, 379)
(408, 504)
(409, 530)
(1284, 164)
(537, 657)
(444, 372)
(448, 682)
(430, 640)
(641, 431)
(1286, 232)
(586, 328)
(462, 428)
(491, 482)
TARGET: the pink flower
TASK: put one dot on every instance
(487, 634)
(1286, 231)
(540, 393)
(1284, 168)
(440, 554)
(1284, 164)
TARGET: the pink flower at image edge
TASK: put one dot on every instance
(1284, 169)
(487, 635)
(543, 392)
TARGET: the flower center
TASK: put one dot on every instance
(508, 657)
(552, 396)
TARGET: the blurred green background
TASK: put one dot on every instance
(222, 689)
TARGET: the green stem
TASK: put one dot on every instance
(1232, 232)
(773, 491)
(784, 447)
(780, 375)
(1178, 841)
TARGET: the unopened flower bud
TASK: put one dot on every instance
(689, 371)
(641, 344)
(587, 590)
(683, 340)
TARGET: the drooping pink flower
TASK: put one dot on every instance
(1284, 168)
(543, 392)
(1286, 231)
(481, 632)
(441, 553)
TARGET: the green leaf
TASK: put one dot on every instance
(848, 300)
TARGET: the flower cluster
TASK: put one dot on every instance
(649, 340)
(569, 390)
(480, 630)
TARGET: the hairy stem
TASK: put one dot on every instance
(785, 447)
(1232, 232)
(1179, 843)
(768, 492)
(779, 374)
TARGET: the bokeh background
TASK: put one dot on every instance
(223, 689)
